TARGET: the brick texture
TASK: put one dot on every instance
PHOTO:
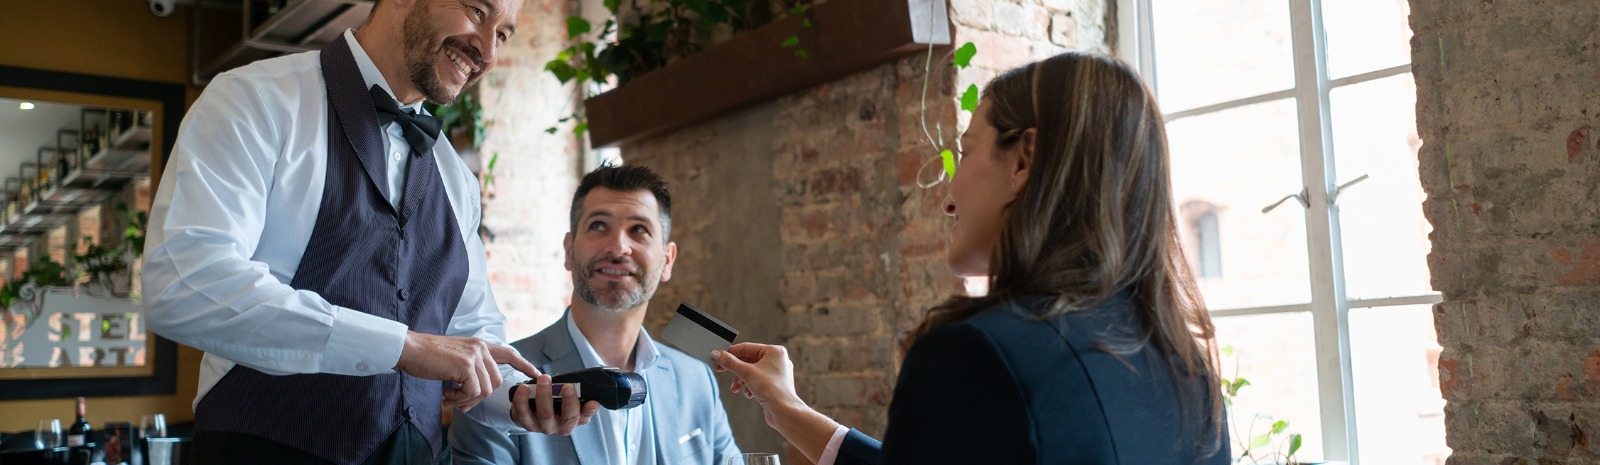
(528, 200)
(1508, 165)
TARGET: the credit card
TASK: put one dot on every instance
(696, 333)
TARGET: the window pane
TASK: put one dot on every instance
(1399, 412)
(1366, 35)
(1385, 235)
(1230, 164)
(1212, 51)
(1276, 355)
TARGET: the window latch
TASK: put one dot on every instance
(1300, 197)
(1335, 197)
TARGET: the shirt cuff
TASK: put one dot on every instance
(831, 453)
(363, 344)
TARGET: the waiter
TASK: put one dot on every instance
(317, 240)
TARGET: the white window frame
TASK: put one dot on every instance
(1329, 307)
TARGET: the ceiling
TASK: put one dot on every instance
(23, 132)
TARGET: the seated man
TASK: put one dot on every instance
(618, 253)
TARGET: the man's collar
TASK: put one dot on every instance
(644, 350)
(370, 72)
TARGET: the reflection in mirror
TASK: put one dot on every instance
(70, 233)
(77, 184)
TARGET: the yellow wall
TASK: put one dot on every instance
(118, 38)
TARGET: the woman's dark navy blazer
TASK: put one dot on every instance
(1005, 387)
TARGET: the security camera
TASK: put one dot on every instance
(163, 7)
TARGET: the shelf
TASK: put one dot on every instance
(299, 26)
(751, 68)
(125, 158)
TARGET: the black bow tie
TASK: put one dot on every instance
(420, 130)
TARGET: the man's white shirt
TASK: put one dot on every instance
(629, 434)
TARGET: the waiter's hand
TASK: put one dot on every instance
(546, 420)
(467, 361)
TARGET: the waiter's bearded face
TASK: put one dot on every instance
(450, 44)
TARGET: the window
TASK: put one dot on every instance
(1201, 240)
(1326, 300)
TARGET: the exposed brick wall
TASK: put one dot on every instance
(800, 221)
(535, 175)
(1506, 102)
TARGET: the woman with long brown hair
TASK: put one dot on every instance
(1092, 346)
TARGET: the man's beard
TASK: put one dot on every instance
(422, 57)
(616, 299)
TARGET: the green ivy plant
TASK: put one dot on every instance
(1254, 448)
(8, 293)
(45, 272)
(802, 11)
(655, 33)
(465, 114)
(969, 101)
(133, 231)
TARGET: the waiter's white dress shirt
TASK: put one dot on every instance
(235, 209)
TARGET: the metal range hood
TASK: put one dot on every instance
(267, 28)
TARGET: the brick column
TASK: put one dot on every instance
(1506, 107)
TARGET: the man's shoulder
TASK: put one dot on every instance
(294, 63)
(532, 345)
(280, 73)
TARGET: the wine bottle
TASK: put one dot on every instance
(62, 166)
(78, 434)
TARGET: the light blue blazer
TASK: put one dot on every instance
(689, 424)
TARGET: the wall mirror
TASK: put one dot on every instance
(79, 156)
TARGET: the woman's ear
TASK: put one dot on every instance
(1024, 160)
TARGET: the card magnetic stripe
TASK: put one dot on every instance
(705, 321)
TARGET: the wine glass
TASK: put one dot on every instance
(752, 458)
(153, 426)
(48, 435)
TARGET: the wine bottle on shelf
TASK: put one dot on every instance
(126, 122)
(113, 125)
(62, 166)
(91, 143)
(78, 434)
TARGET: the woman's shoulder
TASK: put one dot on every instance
(1031, 314)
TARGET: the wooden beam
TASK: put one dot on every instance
(847, 37)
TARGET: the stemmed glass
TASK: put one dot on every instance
(48, 435)
(753, 458)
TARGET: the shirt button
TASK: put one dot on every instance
(395, 156)
(404, 294)
(361, 366)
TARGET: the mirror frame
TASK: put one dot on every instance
(163, 379)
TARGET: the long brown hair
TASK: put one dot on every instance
(1095, 218)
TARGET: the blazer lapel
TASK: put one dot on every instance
(663, 385)
(352, 106)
